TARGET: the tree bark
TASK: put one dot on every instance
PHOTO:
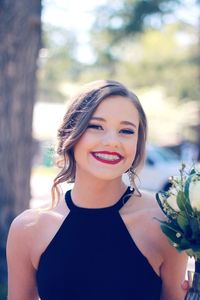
(20, 41)
(198, 55)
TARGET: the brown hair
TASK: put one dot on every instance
(76, 120)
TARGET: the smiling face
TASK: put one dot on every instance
(108, 146)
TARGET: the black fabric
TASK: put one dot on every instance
(93, 257)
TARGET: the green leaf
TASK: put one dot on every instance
(170, 223)
(188, 207)
(184, 244)
(182, 221)
(187, 186)
(181, 200)
(192, 171)
(187, 197)
(194, 225)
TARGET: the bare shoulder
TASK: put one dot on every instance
(26, 221)
(23, 223)
(22, 231)
(152, 214)
(31, 218)
(146, 214)
(31, 226)
(28, 235)
(149, 199)
(145, 203)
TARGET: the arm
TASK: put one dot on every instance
(21, 273)
(173, 273)
(174, 263)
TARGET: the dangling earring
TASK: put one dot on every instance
(130, 174)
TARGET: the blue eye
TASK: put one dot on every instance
(95, 126)
(127, 131)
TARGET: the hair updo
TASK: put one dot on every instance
(75, 122)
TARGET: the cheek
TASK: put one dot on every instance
(78, 149)
(82, 145)
(133, 153)
(132, 146)
(132, 149)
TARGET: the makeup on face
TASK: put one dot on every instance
(108, 146)
(107, 157)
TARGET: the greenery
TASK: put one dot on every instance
(140, 43)
(181, 205)
(132, 41)
(57, 63)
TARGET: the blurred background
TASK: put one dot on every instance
(49, 48)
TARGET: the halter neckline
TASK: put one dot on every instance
(115, 207)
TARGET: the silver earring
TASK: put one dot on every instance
(130, 174)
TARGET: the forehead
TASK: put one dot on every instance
(117, 106)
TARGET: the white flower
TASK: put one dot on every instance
(197, 168)
(194, 193)
(171, 200)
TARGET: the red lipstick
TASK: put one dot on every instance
(107, 157)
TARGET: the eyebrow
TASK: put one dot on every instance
(122, 122)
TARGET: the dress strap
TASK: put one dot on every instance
(124, 198)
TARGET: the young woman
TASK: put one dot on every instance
(99, 241)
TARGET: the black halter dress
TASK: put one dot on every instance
(93, 257)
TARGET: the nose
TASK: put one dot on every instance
(111, 139)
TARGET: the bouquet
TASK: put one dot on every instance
(181, 205)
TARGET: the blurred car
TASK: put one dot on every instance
(159, 165)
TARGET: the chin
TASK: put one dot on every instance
(107, 176)
(99, 173)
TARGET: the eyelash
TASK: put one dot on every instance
(127, 131)
(94, 126)
(99, 127)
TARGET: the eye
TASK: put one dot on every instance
(127, 131)
(95, 126)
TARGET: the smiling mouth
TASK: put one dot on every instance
(108, 158)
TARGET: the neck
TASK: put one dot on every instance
(97, 194)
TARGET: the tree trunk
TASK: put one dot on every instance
(20, 41)
(198, 126)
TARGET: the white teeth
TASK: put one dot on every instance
(107, 156)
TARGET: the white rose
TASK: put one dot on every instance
(171, 200)
(194, 193)
(197, 168)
